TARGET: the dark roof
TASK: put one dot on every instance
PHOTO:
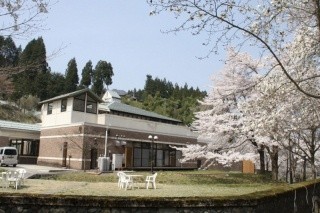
(120, 107)
(72, 94)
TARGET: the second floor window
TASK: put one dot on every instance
(83, 104)
(50, 106)
(79, 103)
(64, 105)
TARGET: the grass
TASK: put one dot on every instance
(192, 184)
(209, 177)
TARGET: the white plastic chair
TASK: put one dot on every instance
(125, 181)
(151, 179)
(22, 175)
(14, 177)
(4, 179)
(120, 184)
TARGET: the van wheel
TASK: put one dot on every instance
(14, 165)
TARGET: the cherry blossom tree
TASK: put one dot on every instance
(221, 120)
(20, 17)
(280, 115)
(245, 109)
(267, 27)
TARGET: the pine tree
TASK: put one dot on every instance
(106, 72)
(9, 53)
(86, 75)
(97, 82)
(34, 66)
(56, 84)
(102, 73)
(71, 77)
(9, 57)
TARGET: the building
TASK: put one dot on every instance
(26, 137)
(79, 127)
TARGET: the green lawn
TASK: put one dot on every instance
(208, 177)
(169, 184)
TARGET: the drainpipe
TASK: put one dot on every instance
(106, 143)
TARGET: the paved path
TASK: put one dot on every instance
(36, 169)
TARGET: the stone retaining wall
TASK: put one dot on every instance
(296, 200)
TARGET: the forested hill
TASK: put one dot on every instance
(19, 67)
(162, 97)
(12, 113)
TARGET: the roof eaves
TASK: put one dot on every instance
(72, 94)
(116, 106)
(19, 126)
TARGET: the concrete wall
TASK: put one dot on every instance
(145, 126)
(62, 118)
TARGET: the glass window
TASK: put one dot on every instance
(178, 157)
(137, 144)
(64, 105)
(146, 145)
(10, 152)
(145, 158)
(91, 107)
(137, 157)
(166, 158)
(26, 147)
(79, 103)
(159, 158)
(49, 108)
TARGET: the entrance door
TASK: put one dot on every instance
(94, 157)
(172, 158)
(64, 154)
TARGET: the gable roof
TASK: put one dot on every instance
(110, 96)
(72, 94)
(19, 126)
(120, 107)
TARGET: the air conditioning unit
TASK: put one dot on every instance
(117, 160)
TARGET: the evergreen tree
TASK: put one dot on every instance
(34, 66)
(106, 71)
(71, 77)
(97, 82)
(102, 73)
(55, 84)
(86, 75)
(9, 53)
(9, 56)
(162, 97)
(149, 86)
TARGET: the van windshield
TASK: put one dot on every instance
(10, 152)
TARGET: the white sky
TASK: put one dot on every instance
(122, 32)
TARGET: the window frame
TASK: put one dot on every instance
(49, 108)
(64, 104)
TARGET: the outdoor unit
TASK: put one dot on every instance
(117, 160)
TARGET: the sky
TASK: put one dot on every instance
(123, 33)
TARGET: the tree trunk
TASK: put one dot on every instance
(304, 177)
(313, 167)
(274, 162)
(262, 160)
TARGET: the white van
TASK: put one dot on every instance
(8, 156)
